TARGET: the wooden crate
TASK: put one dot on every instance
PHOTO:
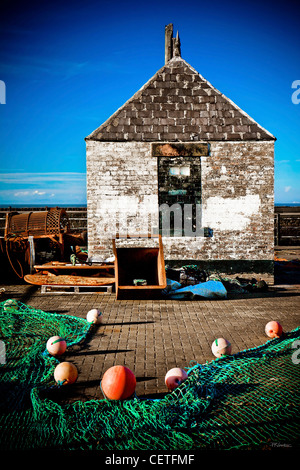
(139, 263)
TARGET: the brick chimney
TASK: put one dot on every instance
(168, 42)
(172, 45)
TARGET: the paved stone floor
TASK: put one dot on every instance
(150, 337)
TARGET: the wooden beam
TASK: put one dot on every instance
(190, 149)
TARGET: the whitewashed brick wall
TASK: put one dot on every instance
(237, 198)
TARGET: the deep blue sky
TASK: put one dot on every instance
(68, 66)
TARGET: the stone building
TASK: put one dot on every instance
(180, 143)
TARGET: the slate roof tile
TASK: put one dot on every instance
(178, 104)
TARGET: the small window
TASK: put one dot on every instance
(179, 171)
(179, 181)
(185, 171)
(179, 187)
(174, 171)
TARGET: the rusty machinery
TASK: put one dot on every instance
(21, 229)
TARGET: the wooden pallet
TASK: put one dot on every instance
(53, 289)
(60, 284)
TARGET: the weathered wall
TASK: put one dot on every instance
(237, 204)
(121, 178)
(237, 199)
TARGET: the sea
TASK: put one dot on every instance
(287, 204)
(19, 206)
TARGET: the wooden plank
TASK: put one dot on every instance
(69, 266)
(61, 280)
(287, 209)
(127, 236)
(171, 149)
(49, 289)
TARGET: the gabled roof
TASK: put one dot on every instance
(178, 104)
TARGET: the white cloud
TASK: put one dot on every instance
(21, 193)
(43, 188)
(29, 193)
(287, 189)
(30, 178)
(39, 193)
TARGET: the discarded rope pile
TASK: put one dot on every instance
(246, 400)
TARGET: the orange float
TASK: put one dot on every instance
(273, 329)
(56, 346)
(118, 383)
(221, 347)
(65, 373)
(174, 377)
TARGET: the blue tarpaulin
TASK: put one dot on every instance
(208, 290)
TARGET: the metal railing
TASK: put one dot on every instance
(287, 226)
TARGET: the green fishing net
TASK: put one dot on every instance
(247, 400)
